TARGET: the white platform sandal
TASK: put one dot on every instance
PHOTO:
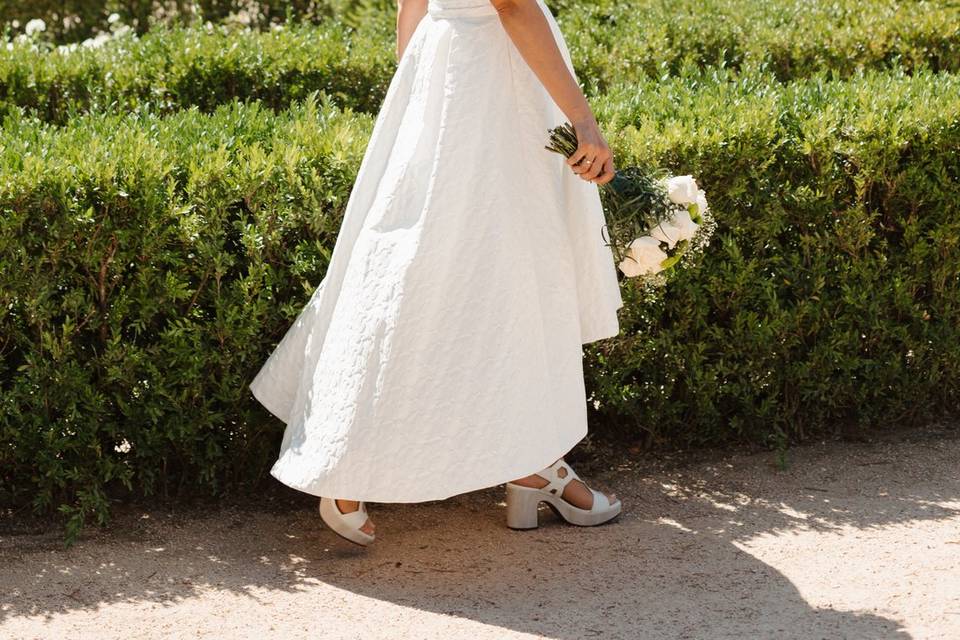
(345, 525)
(523, 502)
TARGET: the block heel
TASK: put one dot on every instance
(522, 505)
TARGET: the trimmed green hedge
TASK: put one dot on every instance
(148, 265)
(86, 18)
(611, 43)
(170, 69)
(830, 299)
(615, 41)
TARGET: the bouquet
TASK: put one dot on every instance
(655, 222)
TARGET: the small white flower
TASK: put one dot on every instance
(242, 17)
(35, 26)
(113, 17)
(702, 202)
(123, 447)
(643, 256)
(97, 41)
(682, 189)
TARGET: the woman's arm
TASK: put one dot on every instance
(409, 13)
(527, 26)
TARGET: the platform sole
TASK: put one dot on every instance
(523, 509)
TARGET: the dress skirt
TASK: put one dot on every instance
(441, 352)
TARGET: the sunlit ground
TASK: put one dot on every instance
(853, 540)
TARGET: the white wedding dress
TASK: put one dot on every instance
(441, 353)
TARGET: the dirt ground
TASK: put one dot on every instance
(851, 540)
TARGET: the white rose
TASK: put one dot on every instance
(684, 224)
(682, 189)
(113, 17)
(643, 256)
(664, 232)
(680, 227)
(35, 26)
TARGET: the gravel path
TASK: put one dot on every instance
(851, 540)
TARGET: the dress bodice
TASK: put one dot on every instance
(460, 8)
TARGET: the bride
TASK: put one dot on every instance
(441, 353)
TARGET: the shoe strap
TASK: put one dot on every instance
(600, 501)
(556, 484)
(355, 518)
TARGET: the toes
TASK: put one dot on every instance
(368, 527)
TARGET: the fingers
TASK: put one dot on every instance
(594, 170)
(585, 151)
(607, 174)
(596, 165)
(592, 161)
(577, 156)
(605, 178)
(584, 166)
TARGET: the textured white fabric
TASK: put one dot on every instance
(441, 353)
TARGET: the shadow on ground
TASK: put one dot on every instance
(673, 565)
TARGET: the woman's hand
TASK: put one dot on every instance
(593, 159)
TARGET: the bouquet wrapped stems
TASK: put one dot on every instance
(655, 221)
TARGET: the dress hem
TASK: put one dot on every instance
(608, 331)
(264, 399)
(443, 494)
